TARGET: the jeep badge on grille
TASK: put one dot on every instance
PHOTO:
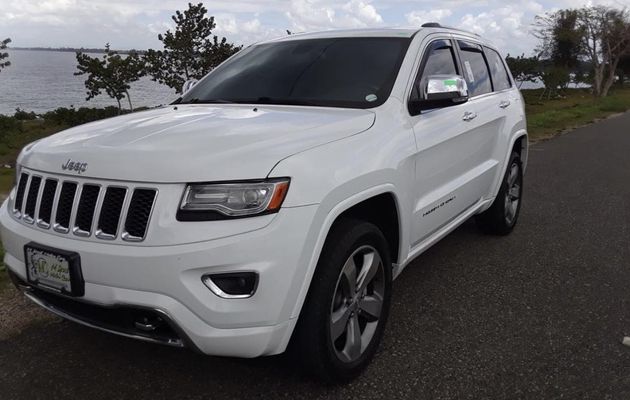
(74, 166)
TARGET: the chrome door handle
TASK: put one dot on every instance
(505, 104)
(469, 116)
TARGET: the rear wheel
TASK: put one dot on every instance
(502, 216)
(343, 318)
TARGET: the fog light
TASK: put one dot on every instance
(236, 285)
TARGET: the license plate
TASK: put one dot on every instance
(54, 269)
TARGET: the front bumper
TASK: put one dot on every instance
(168, 279)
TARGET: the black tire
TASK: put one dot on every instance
(312, 344)
(502, 216)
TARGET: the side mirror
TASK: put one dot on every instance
(188, 85)
(439, 91)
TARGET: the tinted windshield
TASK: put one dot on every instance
(336, 72)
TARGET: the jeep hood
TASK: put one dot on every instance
(193, 143)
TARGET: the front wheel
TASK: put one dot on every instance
(343, 318)
(501, 217)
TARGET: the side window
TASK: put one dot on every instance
(500, 76)
(440, 60)
(475, 69)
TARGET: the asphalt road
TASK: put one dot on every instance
(538, 314)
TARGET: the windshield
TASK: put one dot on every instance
(335, 72)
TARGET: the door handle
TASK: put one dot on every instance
(469, 116)
(505, 104)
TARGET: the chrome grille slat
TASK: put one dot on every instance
(75, 206)
(97, 211)
(38, 200)
(87, 208)
(53, 212)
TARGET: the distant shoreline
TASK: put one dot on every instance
(74, 50)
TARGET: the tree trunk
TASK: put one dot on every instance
(611, 78)
(597, 81)
(119, 107)
(129, 100)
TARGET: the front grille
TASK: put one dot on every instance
(110, 212)
(19, 196)
(86, 209)
(46, 205)
(64, 206)
(31, 199)
(139, 212)
(74, 207)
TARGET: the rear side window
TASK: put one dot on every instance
(440, 60)
(475, 69)
(500, 76)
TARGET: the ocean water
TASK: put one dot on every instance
(41, 81)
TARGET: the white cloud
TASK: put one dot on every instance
(309, 15)
(135, 23)
(419, 17)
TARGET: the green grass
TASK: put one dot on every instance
(546, 118)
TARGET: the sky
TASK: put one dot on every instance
(135, 24)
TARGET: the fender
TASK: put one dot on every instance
(497, 183)
(324, 229)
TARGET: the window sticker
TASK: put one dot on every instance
(371, 98)
(471, 77)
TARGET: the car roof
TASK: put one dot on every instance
(376, 32)
(380, 32)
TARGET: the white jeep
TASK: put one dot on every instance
(276, 200)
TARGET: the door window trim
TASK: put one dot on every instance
(426, 52)
(476, 48)
(505, 68)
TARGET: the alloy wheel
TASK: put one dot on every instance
(357, 303)
(513, 193)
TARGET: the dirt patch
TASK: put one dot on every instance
(17, 313)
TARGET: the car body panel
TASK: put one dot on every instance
(194, 143)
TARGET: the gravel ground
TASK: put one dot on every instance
(538, 314)
(17, 314)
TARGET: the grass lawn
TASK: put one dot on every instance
(545, 118)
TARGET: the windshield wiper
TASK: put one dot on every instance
(281, 101)
(210, 101)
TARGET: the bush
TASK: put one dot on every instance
(23, 115)
(74, 117)
(9, 124)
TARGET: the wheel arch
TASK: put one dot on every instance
(358, 204)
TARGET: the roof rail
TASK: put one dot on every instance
(438, 25)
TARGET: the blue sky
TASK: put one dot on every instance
(135, 23)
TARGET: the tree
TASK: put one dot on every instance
(560, 38)
(111, 73)
(554, 78)
(605, 40)
(191, 51)
(3, 56)
(524, 69)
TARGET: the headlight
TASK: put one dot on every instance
(206, 202)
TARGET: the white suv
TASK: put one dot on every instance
(276, 200)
